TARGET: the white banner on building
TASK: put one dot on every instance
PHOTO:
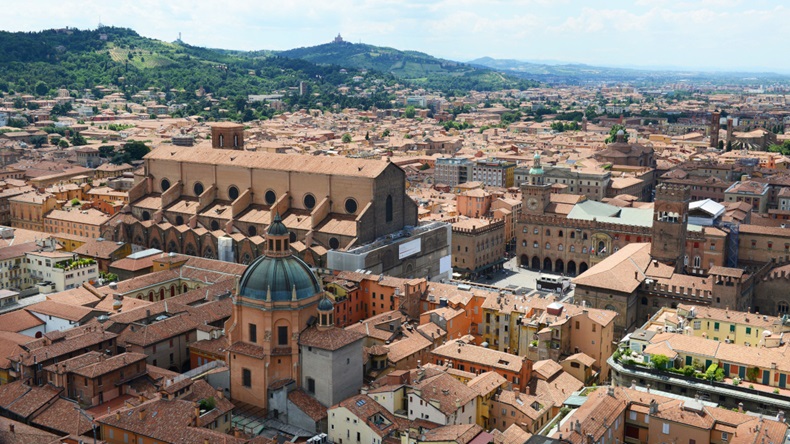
(409, 248)
(444, 264)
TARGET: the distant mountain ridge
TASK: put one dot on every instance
(414, 66)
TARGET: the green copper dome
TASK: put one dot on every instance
(325, 305)
(277, 227)
(278, 276)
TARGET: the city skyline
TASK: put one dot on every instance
(696, 35)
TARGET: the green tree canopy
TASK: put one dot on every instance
(346, 138)
(135, 149)
(409, 112)
(613, 133)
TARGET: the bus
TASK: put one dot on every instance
(551, 282)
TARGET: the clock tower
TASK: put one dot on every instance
(535, 192)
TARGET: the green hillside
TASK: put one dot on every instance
(411, 66)
(41, 62)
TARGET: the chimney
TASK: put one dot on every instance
(648, 388)
(610, 390)
(780, 416)
(740, 407)
(142, 414)
(633, 383)
(457, 403)
(220, 394)
(141, 398)
(578, 426)
(11, 428)
(197, 413)
(517, 392)
(117, 415)
(590, 439)
(653, 407)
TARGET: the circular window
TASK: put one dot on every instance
(233, 192)
(351, 206)
(333, 243)
(198, 188)
(270, 197)
(179, 220)
(146, 215)
(309, 201)
(252, 231)
(165, 184)
(214, 225)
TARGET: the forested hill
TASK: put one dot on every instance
(40, 62)
(416, 67)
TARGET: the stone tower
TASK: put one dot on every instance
(535, 192)
(227, 136)
(670, 221)
(715, 120)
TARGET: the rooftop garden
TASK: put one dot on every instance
(71, 264)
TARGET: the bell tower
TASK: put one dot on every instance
(670, 221)
(535, 192)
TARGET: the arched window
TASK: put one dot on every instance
(165, 184)
(197, 188)
(644, 301)
(535, 244)
(560, 247)
(252, 231)
(523, 243)
(221, 140)
(573, 235)
(560, 233)
(548, 246)
(214, 225)
(584, 250)
(179, 220)
(548, 232)
(535, 231)
(235, 140)
(697, 262)
(572, 248)
(388, 209)
(584, 236)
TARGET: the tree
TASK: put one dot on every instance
(386, 133)
(135, 149)
(346, 138)
(63, 143)
(613, 133)
(75, 202)
(41, 88)
(78, 140)
(659, 361)
(367, 135)
(409, 112)
(106, 151)
(38, 141)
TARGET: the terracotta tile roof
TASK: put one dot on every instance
(24, 434)
(63, 417)
(512, 435)
(546, 368)
(557, 389)
(480, 355)
(340, 166)
(177, 324)
(216, 346)
(245, 348)
(307, 404)
(23, 400)
(459, 434)
(10, 343)
(109, 364)
(583, 358)
(74, 313)
(486, 382)
(364, 408)
(446, 390)
(331, 339)
(79, 296)
(623, 271)
(102, 249)
(82, 339)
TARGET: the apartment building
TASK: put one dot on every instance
(452, 171)
(494, 172)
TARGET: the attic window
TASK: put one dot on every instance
(503, 362)
(360, 403)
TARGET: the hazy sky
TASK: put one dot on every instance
(725, 34)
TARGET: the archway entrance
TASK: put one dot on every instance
(571, 268)
(582, 267)
(524, 260)
(559, 266)
(547, 264)
(535, 263)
